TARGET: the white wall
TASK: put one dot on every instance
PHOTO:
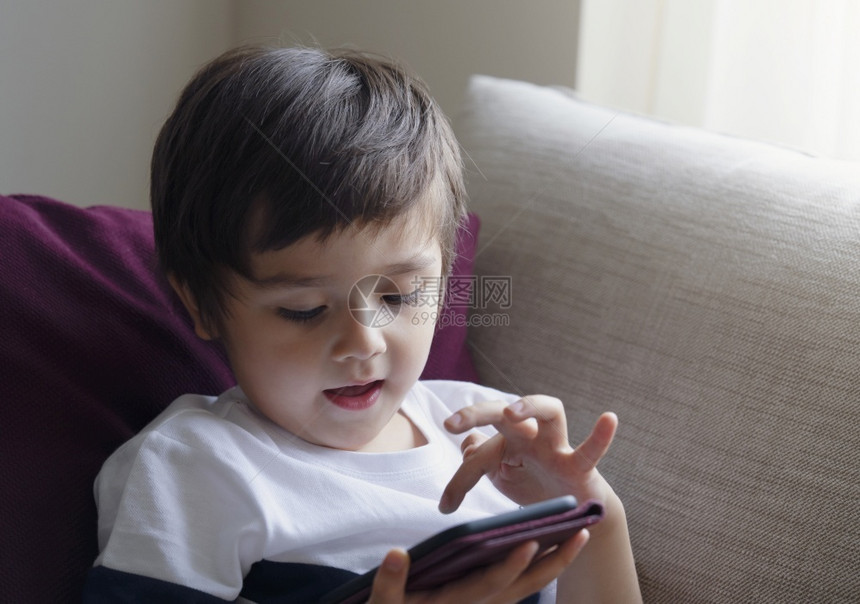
(86, 84)
(444, 41)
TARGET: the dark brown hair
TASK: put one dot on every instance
(305, 141)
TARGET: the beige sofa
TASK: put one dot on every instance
(705, 288)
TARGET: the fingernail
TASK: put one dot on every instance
(455, 421)
(518, 407)
(445, 504)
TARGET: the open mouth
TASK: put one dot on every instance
(357, 397)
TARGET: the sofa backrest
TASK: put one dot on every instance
(705, 288)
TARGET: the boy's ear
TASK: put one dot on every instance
(201, 328)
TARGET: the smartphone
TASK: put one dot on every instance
(457, 551)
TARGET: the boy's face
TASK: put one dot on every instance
(305, 354)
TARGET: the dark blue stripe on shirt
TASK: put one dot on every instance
(266, 583)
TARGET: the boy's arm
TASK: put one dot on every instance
(165, 509)
(604, 571)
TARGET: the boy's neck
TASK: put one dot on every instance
(399, 435)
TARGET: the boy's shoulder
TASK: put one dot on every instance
(204, 423)
(193, 431)
(192, 413)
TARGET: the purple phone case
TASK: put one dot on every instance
(461, 555)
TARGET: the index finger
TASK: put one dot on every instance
(480, 461)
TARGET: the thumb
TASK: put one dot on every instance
(389, 584)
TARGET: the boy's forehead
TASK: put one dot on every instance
(397, 247)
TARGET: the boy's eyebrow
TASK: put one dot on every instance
(416, 263)
(287, 280)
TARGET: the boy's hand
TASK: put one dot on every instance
(530, 459)
(508, 581)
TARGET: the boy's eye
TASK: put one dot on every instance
(411, 299)
(300, 316)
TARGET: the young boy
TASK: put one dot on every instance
(282, 179)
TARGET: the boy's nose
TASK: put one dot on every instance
(358, 341)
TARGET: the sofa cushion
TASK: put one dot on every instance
(706, 289)
(450, 357)
(94, 344)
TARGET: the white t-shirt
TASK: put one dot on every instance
(211, 488)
